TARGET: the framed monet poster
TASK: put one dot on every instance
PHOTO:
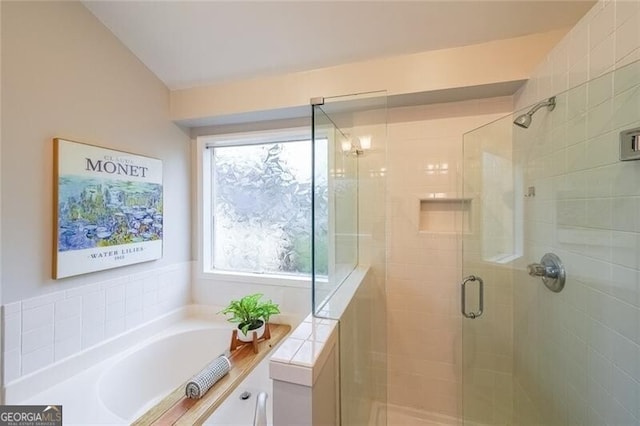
(108, 208)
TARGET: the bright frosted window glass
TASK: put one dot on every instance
(262, 208)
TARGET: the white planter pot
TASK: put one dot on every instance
(249, 336)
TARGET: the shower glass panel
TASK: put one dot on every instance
(350, 137)
(489, 247)
(335, 217)
(535, 356)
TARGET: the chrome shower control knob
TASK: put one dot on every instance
(539, 270)
(551, 270)
(536, 270)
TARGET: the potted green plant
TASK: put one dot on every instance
(251, 315)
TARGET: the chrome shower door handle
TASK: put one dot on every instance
(463, 304)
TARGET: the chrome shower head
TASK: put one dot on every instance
(524, 120)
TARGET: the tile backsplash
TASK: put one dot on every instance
(46, 329)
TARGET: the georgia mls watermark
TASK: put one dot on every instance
(30, 415)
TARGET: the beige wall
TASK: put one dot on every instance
(511, 60)
(425, 324)
(65, 75)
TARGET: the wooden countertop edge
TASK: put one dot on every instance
(177, 409)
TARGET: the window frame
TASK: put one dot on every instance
(204, 213)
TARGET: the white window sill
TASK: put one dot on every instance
(300, 281)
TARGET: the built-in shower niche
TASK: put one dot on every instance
(445, 215)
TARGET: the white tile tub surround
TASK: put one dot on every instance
(300, 358)
(94, 385)
(217, 289)
(43, 330)
(304, 370)
(54, 374)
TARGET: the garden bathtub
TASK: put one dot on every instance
(121, 388)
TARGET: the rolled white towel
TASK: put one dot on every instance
(207, 377)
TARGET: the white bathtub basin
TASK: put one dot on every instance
(136, 382)
(122, 387)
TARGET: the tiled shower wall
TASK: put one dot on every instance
(42, 330)
(607, 37)
(424, 320)
(577, 353)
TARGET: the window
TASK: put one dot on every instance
(258, 197)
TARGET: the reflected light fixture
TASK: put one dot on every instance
(356, 145)
(365, 142)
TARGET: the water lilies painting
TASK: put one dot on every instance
(109, 208)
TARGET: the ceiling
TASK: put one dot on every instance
(194, 43)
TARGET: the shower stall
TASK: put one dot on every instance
(545, 225)
(553, 188)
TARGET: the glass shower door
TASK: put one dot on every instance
(563, 181)
(490, 242)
